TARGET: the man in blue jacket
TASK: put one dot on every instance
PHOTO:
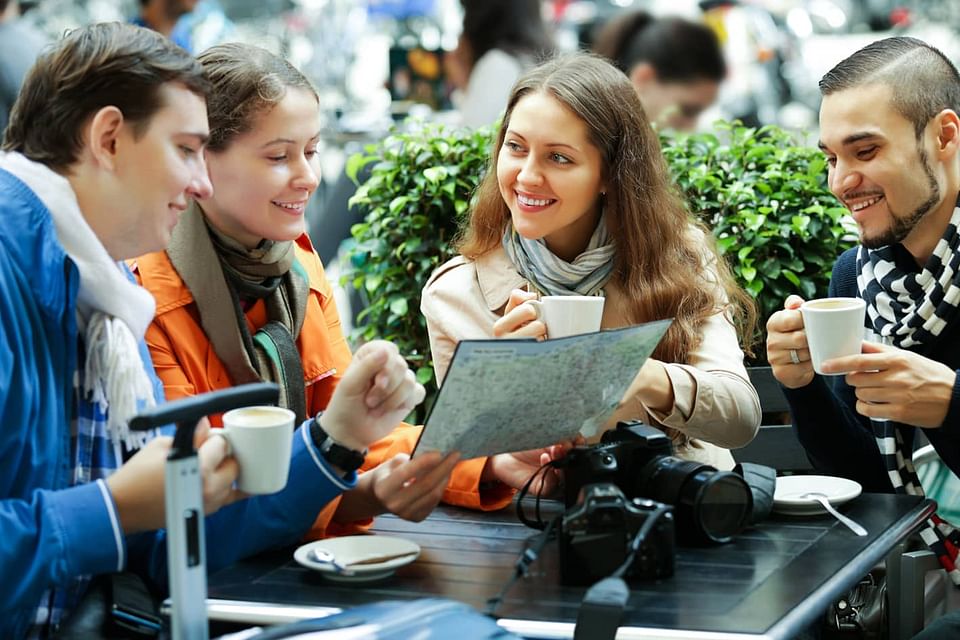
(103, 151)
(890, 129)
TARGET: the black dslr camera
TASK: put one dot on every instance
(597, 532)
(710, 505)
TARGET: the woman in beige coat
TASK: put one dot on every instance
(578, 200)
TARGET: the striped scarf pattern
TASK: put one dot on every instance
(938, 534)
(909, 309)
(912, 308)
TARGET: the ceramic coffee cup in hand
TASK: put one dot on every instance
(261, 439)
(834, 328)
(569, 315)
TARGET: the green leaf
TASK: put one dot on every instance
(791, 276)
(435, 174)
(372, 283)
(398, 203)
(399, 306)
(355, 163)
(425, 375)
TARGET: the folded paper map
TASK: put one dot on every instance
(513, 395)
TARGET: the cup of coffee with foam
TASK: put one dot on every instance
(834, 328)
(261, 439)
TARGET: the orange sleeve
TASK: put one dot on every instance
(464, 488)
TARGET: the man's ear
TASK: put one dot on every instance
(642, 74)
(948, 133)
(103, 134)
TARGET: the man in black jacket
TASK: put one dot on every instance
(890, 130)
(891, 133)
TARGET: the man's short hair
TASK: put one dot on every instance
(107, 64)
(924, 82)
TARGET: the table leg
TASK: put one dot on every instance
(895, 592)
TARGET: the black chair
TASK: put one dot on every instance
(776, 444)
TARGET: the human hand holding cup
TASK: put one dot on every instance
(261, 440)
(569, 315)
(834, 328)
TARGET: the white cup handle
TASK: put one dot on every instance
(226, 438)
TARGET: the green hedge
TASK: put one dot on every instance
(763, 195)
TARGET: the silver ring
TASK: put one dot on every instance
(794, 356)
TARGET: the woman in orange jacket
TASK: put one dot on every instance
(241, 294)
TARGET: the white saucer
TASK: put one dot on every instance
(351, 549)
(786, 497)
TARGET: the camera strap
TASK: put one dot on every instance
(539, 523)
(531, 551)
(602, 610)
(534, 544)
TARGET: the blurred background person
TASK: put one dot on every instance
(164, 16)
(676, 65)
(500, 40)
(20, 44)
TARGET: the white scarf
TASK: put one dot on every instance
(113, 313)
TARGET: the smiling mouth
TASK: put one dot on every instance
(860, 206)
(527, 201)
(292, 207)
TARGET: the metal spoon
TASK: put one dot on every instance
(825, 503)
(325, 557)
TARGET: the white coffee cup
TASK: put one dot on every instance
(569, 315)
(261, 439)
(834, 328)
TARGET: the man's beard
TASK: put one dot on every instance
(901, 226)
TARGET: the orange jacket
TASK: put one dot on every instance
(187, 364)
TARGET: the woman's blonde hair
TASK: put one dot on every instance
(664, 267)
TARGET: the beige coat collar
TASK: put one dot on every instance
(497, 277)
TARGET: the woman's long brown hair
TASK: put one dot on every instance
(665, 268)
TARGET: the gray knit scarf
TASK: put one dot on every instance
(553, 276)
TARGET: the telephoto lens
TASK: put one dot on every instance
(710, 505)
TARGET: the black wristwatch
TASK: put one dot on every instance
(336, 454)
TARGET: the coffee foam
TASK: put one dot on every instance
(256, 417)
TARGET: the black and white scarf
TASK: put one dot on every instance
(908, 309)
(553, 276)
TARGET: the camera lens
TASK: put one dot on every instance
(711, 505)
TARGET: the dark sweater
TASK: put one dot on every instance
(838, 440)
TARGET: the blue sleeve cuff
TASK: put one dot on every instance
(342, 483)
(89, 526)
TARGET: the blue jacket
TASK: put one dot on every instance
(51, 531)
